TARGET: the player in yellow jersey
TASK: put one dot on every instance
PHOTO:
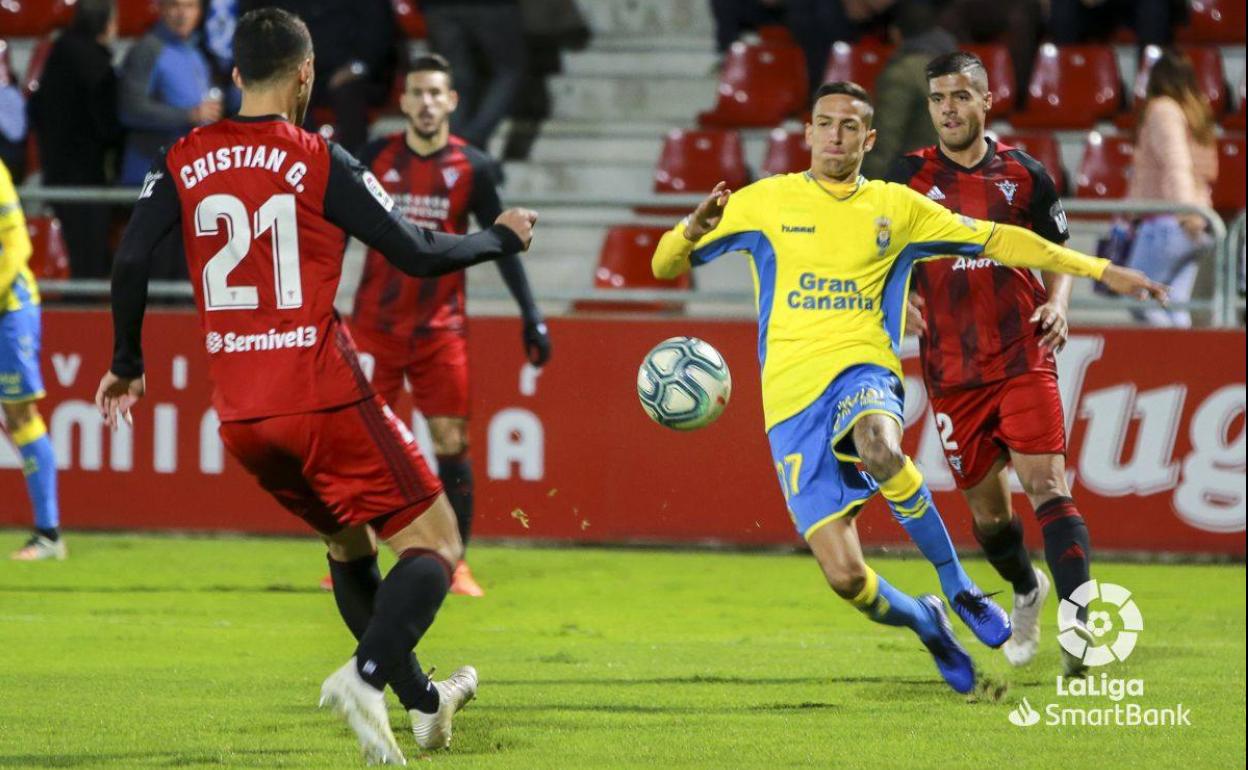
(831, 255)
(21, 382)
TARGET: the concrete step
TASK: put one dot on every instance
(604, 61)
(677, 99)
(647, 16)
(607, 182)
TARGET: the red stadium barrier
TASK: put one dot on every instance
(1157, 441)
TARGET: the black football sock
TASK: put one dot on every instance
(405, 606)
(1066, 545)
(355, 587)
(1008, 555)
(456, 474)
(52, 534)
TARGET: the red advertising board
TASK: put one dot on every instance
(1156, 423)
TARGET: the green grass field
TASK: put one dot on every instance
(145, 651)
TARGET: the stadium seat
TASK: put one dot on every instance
(860, 63)
(996, 59)
(1228, 191)
(135, 17)
(1044, 148)
(33, 18)
(1214, 21)
(1071, 87)
(34, 69)
(693, 161)
(1234, 120)
(787, 152)
(624, 263)
(50, 258)
(1105, 168)
(760, 85)
(411, 20)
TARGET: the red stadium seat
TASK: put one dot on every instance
(787, 152)
(693, 161)
(34, 69)
(760, 85)
(33, 18)
(1235, 120)
(776, 34)
(135, 17)
(1214, 21)
(1228, 191)
(1071, 87)
(411, 20)
(1044, 148)
(50, 258)
(624, 263)
(860, 63)
(1106, 167)
(996, 59)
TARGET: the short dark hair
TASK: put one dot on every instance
(269, 43)
(846, 88)
(958, 63)
(91, 17)
(430, 62)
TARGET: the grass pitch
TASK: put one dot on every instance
(145, 651)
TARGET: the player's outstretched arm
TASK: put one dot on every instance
(671, 256)
(356, 202)
(1019, 247)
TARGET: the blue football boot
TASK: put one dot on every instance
(985, 617)
(952, 661)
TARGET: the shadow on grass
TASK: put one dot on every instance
(231, 758)
(269, 589)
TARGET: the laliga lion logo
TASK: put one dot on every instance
(213, 342)
(1100, 623)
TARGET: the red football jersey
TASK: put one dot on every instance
(265, 264)
(978, 312)
(437, 191)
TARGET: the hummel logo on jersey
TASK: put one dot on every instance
(803, 229)
(391, 176)
(1008, 189)
(935, 194)
(450, 176)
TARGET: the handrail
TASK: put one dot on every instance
(1222, 305)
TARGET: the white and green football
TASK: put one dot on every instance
(684, 383)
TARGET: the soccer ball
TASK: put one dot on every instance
(684, 383)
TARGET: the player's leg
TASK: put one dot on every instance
(1000, 535)
(21, 386)
(835, 546)
(877, 438)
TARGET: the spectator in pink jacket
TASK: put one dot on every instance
(1176, 159)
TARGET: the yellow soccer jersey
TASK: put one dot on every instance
(831, 274)
(17, 283)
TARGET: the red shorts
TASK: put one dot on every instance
(355, 464)
(978, 425)
(434, 364)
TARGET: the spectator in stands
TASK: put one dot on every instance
(220, 19)
(74, 118)
(901, 117)
(484, 42)
(12, 121)
(355, 42)
(166, 87)
(1176, 159)
(1082, 21)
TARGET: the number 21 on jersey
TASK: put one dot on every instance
(276, 216)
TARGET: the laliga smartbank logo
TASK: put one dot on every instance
(1112, 629)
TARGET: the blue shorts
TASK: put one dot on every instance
(20, 379)
(814, 449)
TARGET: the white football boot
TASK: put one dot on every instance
(433, 731)
(1025, 619)
(364, 708)
(40, 548)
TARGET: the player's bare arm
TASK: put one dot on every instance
(707, 215)
(671, 256)
(1051, 316)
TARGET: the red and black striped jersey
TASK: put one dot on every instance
(437, 191)
(977, 311)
